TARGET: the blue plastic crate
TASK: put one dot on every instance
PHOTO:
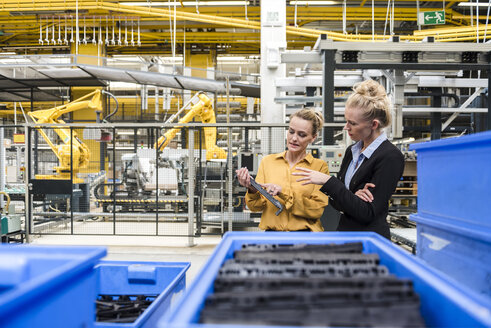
(454, 230)
(167, 279)
(443, 303)
(454, 177)
(463, 255)
(42, 286)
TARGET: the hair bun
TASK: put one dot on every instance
(370, 89)
(371, 98)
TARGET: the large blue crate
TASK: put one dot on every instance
(42, 286)
(443, 303)
(463, 255)
(454, 178)
(167, 279)
(454, 208)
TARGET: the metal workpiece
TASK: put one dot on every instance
(268, 196)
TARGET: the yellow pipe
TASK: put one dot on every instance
(467, 17)
(466, 32)
(234, 22)
(183, 15)
(9, 112)
(444, 30)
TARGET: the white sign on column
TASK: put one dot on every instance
(273, 41)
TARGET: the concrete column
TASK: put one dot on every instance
(273, 41)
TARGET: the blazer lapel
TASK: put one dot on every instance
(342, 173)
(366, 162)
(359, 173)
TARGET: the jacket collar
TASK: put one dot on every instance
(309, 158)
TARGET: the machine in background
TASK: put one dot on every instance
(73, 155)
(148, 184)
(332, 155)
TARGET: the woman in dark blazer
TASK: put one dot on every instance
(371, 167)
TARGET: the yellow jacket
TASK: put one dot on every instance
(304, 205)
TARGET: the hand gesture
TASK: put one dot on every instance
(244, 178)
(364, 193)
(271, 188)
(311, 176)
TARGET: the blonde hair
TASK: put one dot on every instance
(309, 114)
(370, 97)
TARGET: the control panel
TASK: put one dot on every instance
(332, 155)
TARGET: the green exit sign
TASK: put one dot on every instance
(432, 17)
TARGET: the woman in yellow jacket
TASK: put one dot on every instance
(303, 204)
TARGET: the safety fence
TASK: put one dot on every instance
(126, 179)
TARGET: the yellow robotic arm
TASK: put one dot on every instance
(203, 110)
(72, 148)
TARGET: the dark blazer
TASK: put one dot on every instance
(384, 169)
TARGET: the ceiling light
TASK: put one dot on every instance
(125, 133)
(472, 4)
(186, 3)
(172, 58)
(313, 3)
(230, 58)
(14, 61)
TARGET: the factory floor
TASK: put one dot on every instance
(143, 248)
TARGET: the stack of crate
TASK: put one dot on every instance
(454, 206)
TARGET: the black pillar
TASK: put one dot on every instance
(246, 139)
(489, 98)
(436, 117)
(102, 145)
(36, 137)
(310, 93)
(328, 95)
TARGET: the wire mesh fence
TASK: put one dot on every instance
(12, 186)
(164, 180)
